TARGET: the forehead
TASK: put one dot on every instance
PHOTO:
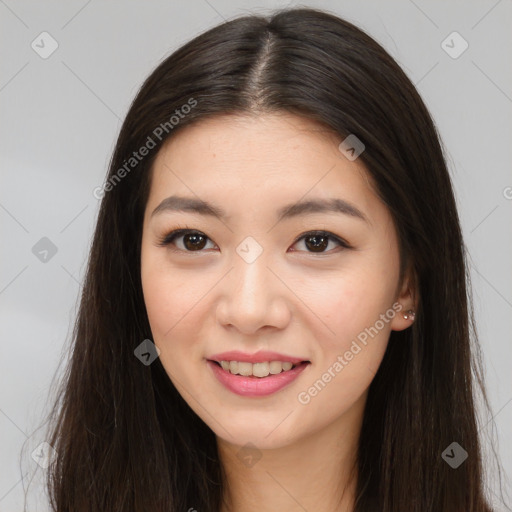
(271, 159)
(270, 139)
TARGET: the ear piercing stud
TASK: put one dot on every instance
(409, 315)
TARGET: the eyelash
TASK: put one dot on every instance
(168, 238)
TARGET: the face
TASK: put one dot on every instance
(261, 271)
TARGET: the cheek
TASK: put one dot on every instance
(358, 312)
(174, 302)
(160, 305)
(347, 361)
(169, 296)
(354, 303)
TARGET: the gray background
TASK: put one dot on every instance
(59, 120)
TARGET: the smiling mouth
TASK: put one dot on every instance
(258, 370)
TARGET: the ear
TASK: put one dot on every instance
(406, 298)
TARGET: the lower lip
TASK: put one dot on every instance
(256, 386)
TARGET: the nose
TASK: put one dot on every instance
(253, 297)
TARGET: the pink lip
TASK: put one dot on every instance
(258, 357)
(255, 386)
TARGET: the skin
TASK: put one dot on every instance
(290, 300)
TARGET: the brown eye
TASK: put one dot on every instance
(191, 241)
(318, 241)
(194, 241)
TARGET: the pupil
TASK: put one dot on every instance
(197, 241)
(317, 246)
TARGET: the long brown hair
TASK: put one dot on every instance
(125, 438)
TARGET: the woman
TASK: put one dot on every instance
(275, 313)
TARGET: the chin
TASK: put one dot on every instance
(256, 435)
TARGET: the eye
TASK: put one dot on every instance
(191, 240)
(318, 241)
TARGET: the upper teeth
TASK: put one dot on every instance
(256, 369)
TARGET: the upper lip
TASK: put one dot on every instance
(258, 357)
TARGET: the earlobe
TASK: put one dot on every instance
(403, 319)
(408, 303)
(409, 315)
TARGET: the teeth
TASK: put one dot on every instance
(244, 369)
(260, 369)
(275, 367)
(256, 369)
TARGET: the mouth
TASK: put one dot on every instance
(255, 379)
(260, 370)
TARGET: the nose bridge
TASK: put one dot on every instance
(253, 297)
(252, 288)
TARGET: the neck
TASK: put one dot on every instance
(313, 473)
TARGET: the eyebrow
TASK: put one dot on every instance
(194, 205)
